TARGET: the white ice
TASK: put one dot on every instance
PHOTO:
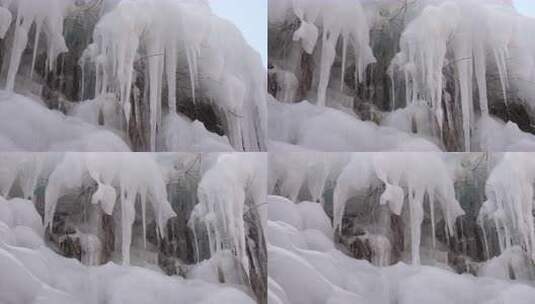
(305, 267)
(33, 273)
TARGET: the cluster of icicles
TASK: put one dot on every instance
(406, 183)
(159, 36)
(131, 179)
(47, 17)
(469, 35)
(152, 27)
(408, 186)
(120, 177)
(338, 19)
(509, 209)
(223, 193)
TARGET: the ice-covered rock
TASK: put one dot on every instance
(460, 61)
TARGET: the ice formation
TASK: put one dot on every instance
(306, 126)
(26, 125)
(342, 20)
(491, 134)
(305, 267)
(403, 177)
(408, 186)
(47, 18)
(147, 42)
(469, 35)
(509, 206)
(181, 135)
(460, 62)
(33, 273)
(120, 177)
(163, 33)
(22, 169)
(292, 172)
(223, 193)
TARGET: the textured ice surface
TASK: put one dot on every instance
(33, 273)
(27, 125)
(165, 33)
(324, 129)
(401, 173)
(457, 62)
(305, 267)
(509, 206)
(182, 135)
(120, 177)
(223, 192)
(155, 41)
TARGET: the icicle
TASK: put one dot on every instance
(155, 75)
(142, 197)
(82, 90)
(35, 46)
(328, 54)
(195, 242)
(432, 210)
(393, 92)
(343, 68)
(19, 43)
(192, 70)
(416, 218)
(481, 74)
(5, 21)
(128, 215)
(170, 68)
(499, 56)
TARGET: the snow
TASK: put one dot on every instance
(38, 275)
(329, 130)
(304, 273)
(492, 134)
(182, 135)
(26, 125)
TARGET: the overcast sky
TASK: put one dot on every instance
(251, 18)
